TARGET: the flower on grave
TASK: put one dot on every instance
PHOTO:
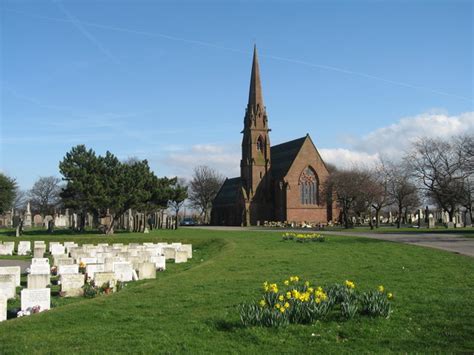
(262, 303)
(389, 295)
(381, 288)
(286, 282)
(281, 298)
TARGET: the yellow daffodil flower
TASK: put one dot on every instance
(381, 288)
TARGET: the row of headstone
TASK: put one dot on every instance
(75, 265)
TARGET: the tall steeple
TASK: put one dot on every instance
(255, 92)
(255, 163)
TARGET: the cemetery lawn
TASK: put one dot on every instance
(192, 307)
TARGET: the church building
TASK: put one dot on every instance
(276, 183)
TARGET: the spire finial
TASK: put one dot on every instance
(255, 92)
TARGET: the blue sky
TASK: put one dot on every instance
(168, 81)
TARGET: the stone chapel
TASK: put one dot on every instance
(276, 183)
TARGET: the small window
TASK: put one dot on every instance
(260, 144)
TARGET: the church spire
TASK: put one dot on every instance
(255, 92)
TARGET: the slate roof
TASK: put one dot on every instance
(283, 155)
(228, 192)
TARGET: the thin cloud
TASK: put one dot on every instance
(274, 57)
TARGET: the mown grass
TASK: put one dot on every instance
(193, 307)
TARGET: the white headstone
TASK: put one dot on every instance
(9, 247)
(38, 252)
(57, 249)
(68, 269)
(7, 286)
(91, 269)
(100, 278)
(38, 281)
(88, 260)
(40, 261)
(71, 285)
(12, 270)
(169, 253)
(146, 271)
(188, 248)
(3, 309)
(40, 268)
(160, 262)
(36, 297)
(24, 247)
(181, 257)
(123, 271)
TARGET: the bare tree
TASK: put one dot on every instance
(439, 167)
(44, 195)
(203, 188)
(349, 189)
(381, 196)
(402, 192)
(21, 199)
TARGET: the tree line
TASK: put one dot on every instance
(438, 172)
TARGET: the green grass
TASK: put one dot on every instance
(462, 232)
(193, 307)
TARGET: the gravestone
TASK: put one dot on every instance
(68, 269)
(40, 269)
(188, 248)
(159, 261)
(450, 225)
(91, 269)
(431, 221)
(7, 286)
(24, 248)
(123, 271)
(36, 297)
(38, 281)
(57, 249)
(146, 271)
(64, 261)
(181, 257)
(169, 253)
(71, 285)
(9, 247)
(12, 270)
(3, 309)
(40, 261)
(39, 243)
(101, 278)
(88, 260)
(38, 252)
(3, 249)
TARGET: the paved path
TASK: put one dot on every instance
(21, 263)
(443, 241)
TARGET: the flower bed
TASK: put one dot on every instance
(304, 237)
(299, 302)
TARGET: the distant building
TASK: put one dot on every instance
(279, 183)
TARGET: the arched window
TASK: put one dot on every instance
(260, 144)
(309, 187)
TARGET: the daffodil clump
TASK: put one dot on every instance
(304, 237)
(299, 302)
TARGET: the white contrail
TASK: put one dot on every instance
(212, 45)
(79, 25)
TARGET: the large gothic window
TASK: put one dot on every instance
(309, 187)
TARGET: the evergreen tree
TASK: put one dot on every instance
(7, 192)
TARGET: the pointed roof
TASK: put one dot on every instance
(283, 156)
(255, 92)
